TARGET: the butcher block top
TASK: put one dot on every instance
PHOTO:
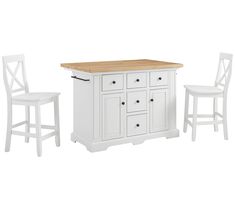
(121, 65)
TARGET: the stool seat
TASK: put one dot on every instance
(204, 90)
(35, 97)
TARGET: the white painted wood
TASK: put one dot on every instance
(218, 114)
(83, 108)
(113, 116)
(209, 122)
(158, 110)
(158, 78)
(97, 113)
(57, 121)
(19, 124)
(136, 125)
(43, 126)
(194, 123)
(136, 80)
(215, 116)
(9, 126)
(220, 89)
(186, 111)
(101, 146)
(148, 106)
(224, 71)
(202, 115)
(53, 133)
(207, 91)
(189, 123)
(38, 129)
(21, 133)
(34, 97)
(136, 101)
(11, 78)
(27, 124)
(225, 118)
(105, 122)
(112, 82)
(88, 74)
(172, 123)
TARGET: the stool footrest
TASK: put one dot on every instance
(209, 122)
(202, 115)
(205, 122)
(43, 126)
(53, 133)
(21, 133)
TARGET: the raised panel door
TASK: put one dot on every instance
(113, 110)
(158, 110)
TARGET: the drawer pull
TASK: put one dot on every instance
(151, 100)
(82, 79)
(137, 125)
(160, 78)
(123, 103)
(137, 80)
(137, 101)
(113, 82)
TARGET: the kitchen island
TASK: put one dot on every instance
(127, 101)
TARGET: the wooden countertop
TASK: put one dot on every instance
(121, 65)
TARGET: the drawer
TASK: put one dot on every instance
(112, 82)
(136, 125)
(136, 101)
(136, 80)
(158, 78)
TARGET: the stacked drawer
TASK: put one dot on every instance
(137, 96)
(136, 103)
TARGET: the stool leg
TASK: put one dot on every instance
(215, 110)
(225, 118)
(38, 129)
(9, 127)
(195, 101)
(27, 125)
(186, 110)
(57, 121)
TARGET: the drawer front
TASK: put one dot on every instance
(158, 78)
(136, 80)
(136, 101)
(136, 125)
(112, 82)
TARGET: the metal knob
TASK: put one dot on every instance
(137, 125)
(137, 101)
(137, 80)
(113, 82)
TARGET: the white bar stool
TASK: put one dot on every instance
(27, 99)
(220, 89)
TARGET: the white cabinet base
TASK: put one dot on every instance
(103, 145)
(112, 108)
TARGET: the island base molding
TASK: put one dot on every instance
(135, 140)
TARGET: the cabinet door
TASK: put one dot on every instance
(113, 110)
(158, 110)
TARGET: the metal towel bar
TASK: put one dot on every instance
(82, 79)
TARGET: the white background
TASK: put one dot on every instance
(173, 173)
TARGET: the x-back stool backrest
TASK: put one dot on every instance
(224, 71)
(14, 76)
